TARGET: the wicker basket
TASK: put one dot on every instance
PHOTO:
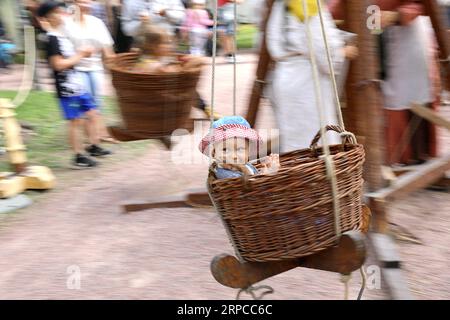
(290, 214)
(153, 104)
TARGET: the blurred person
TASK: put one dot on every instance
(7, 50)
(99, 10)
(446, 7)
(168, 14)
(226, 20)
(195, 27)
(74, 100)
(31, 6)
(87, 30)
(122, 42)
(158, 54)
(410, 75)
(292, 92)
(3, 63)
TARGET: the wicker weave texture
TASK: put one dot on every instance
(153, 104)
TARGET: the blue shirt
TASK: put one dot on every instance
(222, 173)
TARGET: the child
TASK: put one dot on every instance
(195, 26)
(230, 143)
(74, 101)
(157, 51)
(158, 55)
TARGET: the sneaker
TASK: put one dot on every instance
(83, 162)
(230, 58)
(96, 151)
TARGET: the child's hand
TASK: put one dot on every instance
(351, 52)
(271, 164)
(86, 52)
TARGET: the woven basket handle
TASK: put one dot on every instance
(347, 137)
(245, 178)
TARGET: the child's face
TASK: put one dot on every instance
(232, 151)
(55, 18)
(165, 47)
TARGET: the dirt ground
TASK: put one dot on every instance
(165, 253)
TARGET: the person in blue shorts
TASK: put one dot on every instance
(76, 104)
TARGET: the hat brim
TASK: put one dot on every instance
(220, 135)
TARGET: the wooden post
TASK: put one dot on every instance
(261, 71)
(364, 104)
(13, 140)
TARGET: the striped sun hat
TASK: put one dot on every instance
(227, 128)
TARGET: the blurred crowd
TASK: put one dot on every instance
(188, 21)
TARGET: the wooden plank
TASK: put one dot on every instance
(199, 199)
(177, 201)
(396, 283)
(431, 116)
(386, 253)
(415, 180)
(349, 255)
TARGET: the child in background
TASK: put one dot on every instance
(156, 51)
(158, 55)
(74, 101)
(195, 27)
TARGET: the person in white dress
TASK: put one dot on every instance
(292, 90)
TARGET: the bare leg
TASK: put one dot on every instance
(74, 135)
(92, 126)
(227, 43)
(101, 127)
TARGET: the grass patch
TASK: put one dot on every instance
(50, 146)
(246, 36)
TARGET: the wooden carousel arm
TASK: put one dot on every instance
(347, 256)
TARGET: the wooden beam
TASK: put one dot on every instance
(178, 201)
(415, 180)
(430, 115)
(389, 259)
(349, 255)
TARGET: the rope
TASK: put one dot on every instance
(345, 279)
(213, 69)
(363, 282)
(252, 291)
(234, 57)
(330, 168)
(330, 66)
